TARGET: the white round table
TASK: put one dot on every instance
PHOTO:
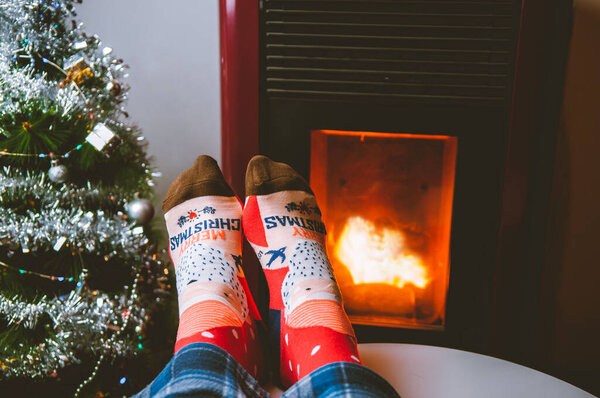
(419, 371)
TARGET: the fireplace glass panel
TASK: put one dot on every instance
(386, 200)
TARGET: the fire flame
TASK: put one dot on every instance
(378, 256)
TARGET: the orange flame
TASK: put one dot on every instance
(378, 256)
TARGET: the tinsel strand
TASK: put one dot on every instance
(91, 232)
(19, 187)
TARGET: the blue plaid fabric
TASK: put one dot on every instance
(205, 370)
(341, 379)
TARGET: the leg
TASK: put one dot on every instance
(283, 223)
(203, 370)
(217, 336)
(342, 379)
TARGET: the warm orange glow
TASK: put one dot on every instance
(378, 256)
(370, 134)
(386, 200)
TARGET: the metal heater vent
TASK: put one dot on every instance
(389, 49)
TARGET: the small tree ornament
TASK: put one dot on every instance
(78, 70)
(58, 172)
(114, 88)
(103, 139)
(140, 210)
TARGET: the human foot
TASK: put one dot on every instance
(203, 218)
(283, 224)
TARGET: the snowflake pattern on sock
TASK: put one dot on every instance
(310, 276)
(202, 263)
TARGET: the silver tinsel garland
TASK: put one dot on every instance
(81, 321)
(17, 186)
(89, 231)
(16, 22)
(24, 85)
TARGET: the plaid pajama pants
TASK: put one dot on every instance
(205, 370)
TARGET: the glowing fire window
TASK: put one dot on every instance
(386, 200)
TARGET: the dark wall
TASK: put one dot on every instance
(571, 345)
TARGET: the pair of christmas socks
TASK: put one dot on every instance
(282, 222)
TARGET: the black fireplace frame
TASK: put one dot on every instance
(503, 174)
(475, 218)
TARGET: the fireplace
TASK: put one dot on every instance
(387, 202)
(426, 129)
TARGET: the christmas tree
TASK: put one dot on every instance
(80, 276)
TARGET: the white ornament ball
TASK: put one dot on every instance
(141, 210)
(58, 173)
